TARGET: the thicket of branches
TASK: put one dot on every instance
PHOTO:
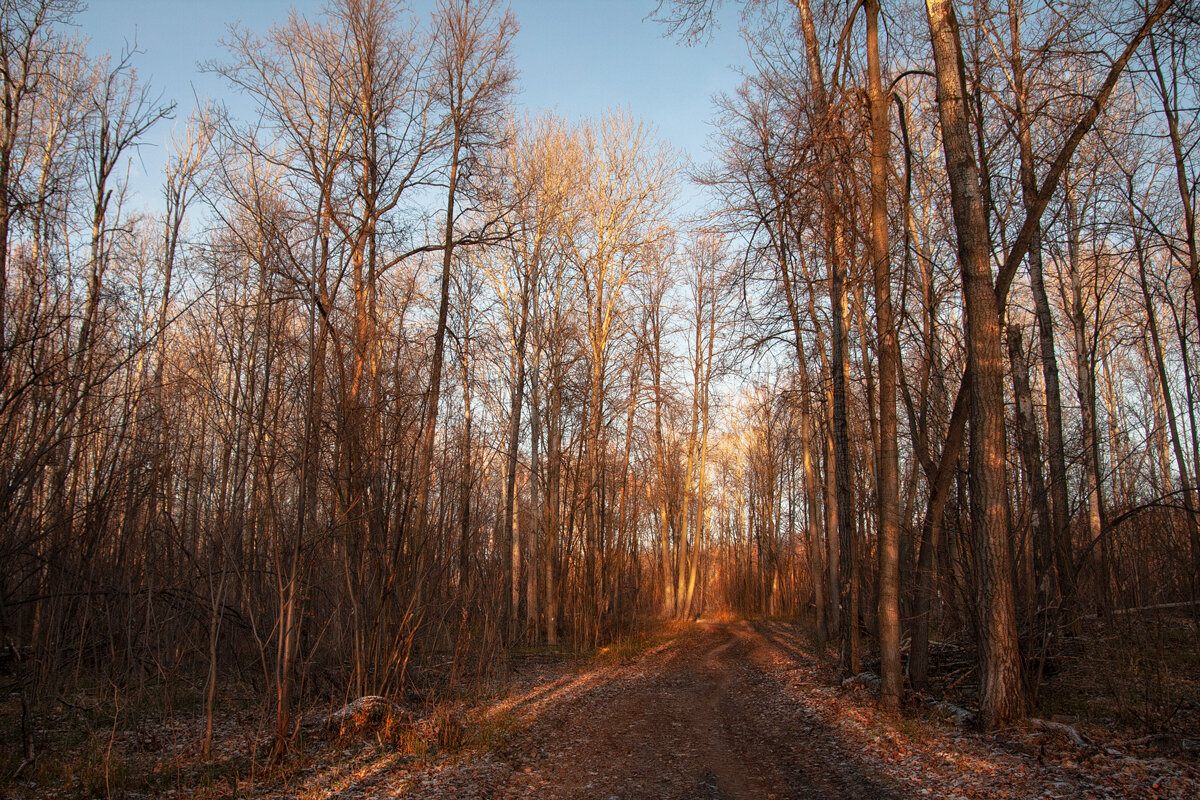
(392, 375)
(982, 257)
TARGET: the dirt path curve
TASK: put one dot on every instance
(703, 716)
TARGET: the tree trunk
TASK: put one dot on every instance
(1164, 384)
(1085, 375)
(889, 456)
(1052, 545)
(1031, 460)
(1001, 696)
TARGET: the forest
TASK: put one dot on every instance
(390, 383)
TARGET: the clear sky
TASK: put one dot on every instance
(579, 57)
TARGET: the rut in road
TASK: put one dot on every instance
(700, 717)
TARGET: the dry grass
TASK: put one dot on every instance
(146, 747)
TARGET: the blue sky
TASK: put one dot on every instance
(579, 57)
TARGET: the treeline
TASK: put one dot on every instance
(391, 378)
(968, 232)
(394, 378)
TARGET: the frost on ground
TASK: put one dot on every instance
(722, 710)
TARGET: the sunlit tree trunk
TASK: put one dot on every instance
(1001, 694)
(885, 330)
(1085, 377)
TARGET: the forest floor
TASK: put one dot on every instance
(719, 709)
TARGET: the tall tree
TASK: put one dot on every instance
(885, 330)
(1001, 694)
(473, 79)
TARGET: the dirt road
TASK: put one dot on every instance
(704, 716)
(735, 710)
